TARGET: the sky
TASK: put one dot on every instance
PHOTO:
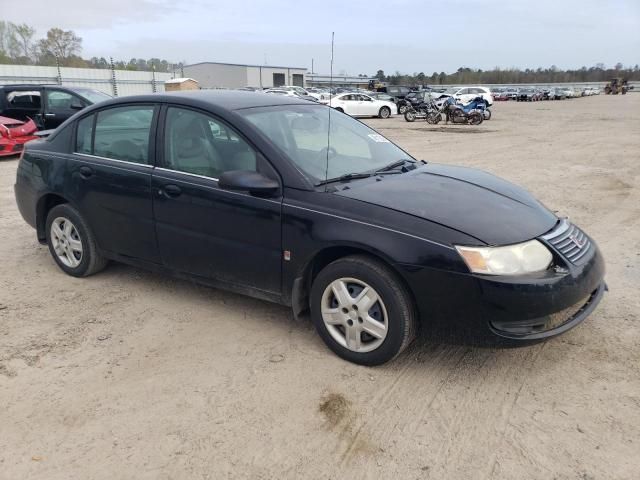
(393, 35)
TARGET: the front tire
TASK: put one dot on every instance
(486, 114)
(71, 242)
(410, 116)
(362, 310)
(385, 112)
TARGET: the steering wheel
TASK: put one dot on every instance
(327, 152)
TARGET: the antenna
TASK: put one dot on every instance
(326, 172)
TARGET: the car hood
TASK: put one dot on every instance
(470, 201)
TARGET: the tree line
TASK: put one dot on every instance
(464, 75)
(19, 46)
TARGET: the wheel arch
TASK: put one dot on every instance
(45, 203)
(301, 287)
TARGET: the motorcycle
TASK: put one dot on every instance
(480, 104)
(427, 110)
(456, 113)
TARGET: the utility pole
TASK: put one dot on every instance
(59, 71)
(114, 84)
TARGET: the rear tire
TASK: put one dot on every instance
(390, 312)
(475, 118)
(71, 242)
(385, 112)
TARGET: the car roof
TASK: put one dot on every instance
(223, 99)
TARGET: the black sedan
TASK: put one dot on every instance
(297, 203)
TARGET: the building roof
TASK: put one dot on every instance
(180, 80)
(243, 65)
(321, 78)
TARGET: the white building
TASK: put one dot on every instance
(231, 75)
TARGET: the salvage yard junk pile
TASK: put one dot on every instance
(14, 134)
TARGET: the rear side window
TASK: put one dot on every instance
(84, 135)
(122, 133)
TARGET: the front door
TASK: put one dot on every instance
(110, 179)
(367, 106)
(203, 230)
(59, 106)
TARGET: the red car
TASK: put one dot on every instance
(14, 134)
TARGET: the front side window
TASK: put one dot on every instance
(122, 133)
(200, 144)
(321, 151)
(57, 100)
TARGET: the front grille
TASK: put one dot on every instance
(568, 240)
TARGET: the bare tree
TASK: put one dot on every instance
(23, 34)
(63, 44)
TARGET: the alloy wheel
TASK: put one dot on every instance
(66, 242)
(354, 315)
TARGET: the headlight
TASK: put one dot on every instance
(528, 257)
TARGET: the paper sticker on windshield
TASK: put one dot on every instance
(376, 137)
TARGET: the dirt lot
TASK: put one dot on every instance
(134, 375)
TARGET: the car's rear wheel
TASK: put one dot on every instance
(402, 109)
(385, 112)
(362, 310)
(72, 243)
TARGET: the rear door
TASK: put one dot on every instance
(109, 178)
(59, 105)
(23, 103)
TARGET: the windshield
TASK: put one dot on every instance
(94, 96)
(302, 132)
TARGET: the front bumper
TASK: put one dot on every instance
(526, 308)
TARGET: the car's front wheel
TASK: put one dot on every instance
(72, 243)
(362, 310)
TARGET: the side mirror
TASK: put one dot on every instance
(75, 105)
(248, 181)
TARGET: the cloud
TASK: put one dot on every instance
(86, 14)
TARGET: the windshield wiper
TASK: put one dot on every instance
(346, 176)
(391, 166)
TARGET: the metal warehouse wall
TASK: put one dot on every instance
(224, 75)
(215, 75)
(126, 82)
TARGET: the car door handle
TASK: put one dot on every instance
(85, 172)
(49, 115)
(171, 190)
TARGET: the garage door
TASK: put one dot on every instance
(278, 79)
(298, 80)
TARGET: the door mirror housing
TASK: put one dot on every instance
(76, 105)
(248, 181)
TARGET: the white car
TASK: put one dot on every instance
(466, 94)
(319, 93)
(360, 105)
(282, 91)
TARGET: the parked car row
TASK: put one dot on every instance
(534, 94)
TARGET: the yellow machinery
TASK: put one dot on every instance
(616, 86)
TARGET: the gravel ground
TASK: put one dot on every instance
(130, 374)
